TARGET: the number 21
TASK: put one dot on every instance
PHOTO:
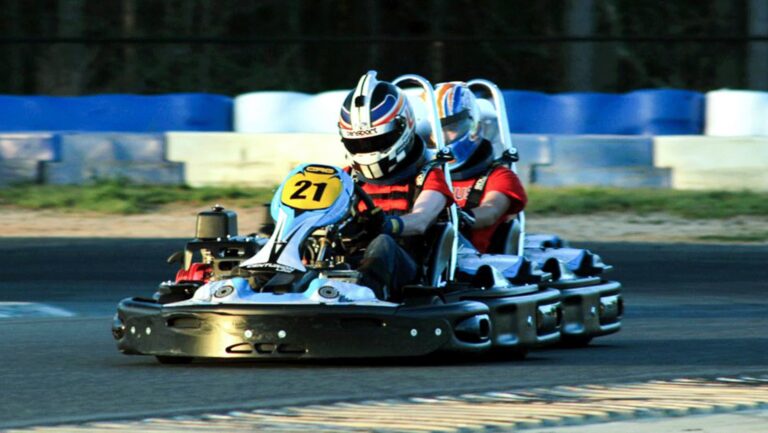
(303, 185)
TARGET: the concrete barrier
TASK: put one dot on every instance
(249, 159)
(87, 157)
(264, 159)
(699, 162)
(599, 160)
(619, 177)
(21, 155)
(584, 151)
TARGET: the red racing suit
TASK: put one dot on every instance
(398, 199)
(470, 193)
(390, 264)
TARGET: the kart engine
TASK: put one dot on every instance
(216, 223)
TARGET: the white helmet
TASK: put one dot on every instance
(377, 127)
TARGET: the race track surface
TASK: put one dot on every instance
(692, 311)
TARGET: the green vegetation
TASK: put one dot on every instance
(123, 198)
(120, 197)
(737, 237)
(688, 204)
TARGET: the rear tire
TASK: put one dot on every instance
(173, 360)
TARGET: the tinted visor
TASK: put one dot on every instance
(377, 143)
(456, 126)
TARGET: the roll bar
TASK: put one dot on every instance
(487, 90)
(443, 153)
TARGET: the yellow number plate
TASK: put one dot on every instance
(315, 188)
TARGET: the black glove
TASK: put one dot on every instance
(371, 221)
(467, 220)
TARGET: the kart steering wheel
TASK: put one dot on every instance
(361, 196)
(364, 197)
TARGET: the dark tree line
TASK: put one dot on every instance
(72, 47)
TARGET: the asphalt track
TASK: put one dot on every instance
(692, 311)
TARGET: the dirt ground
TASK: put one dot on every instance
(179, 222)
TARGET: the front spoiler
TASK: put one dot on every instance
(299, 331)
(522, 322)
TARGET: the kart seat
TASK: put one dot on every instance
(506, 238)
(438, 253)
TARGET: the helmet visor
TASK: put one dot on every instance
(456, 126)
(377, 143)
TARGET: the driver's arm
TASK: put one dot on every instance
(493, 207)
(425, 211)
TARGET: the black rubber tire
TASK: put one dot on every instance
(174, 360)
(575, 341)
(507, 354)
(516, 354)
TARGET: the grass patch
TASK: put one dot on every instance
(737, 237)
(120, 197)
(688, 204)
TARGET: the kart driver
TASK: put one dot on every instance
(388, 160)
(487, 192)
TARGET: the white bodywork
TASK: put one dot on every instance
(321, 291)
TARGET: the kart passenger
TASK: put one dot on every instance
(487, 191)
(388, 160)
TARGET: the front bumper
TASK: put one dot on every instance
(591, 308)
(523, 321)
(299, 331)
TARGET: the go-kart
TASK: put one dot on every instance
(297, 297)
(592, 306)
(297, 294)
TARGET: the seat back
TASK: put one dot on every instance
(507, 239)
(439, 252)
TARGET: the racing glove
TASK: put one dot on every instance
(375, 221)
(467, 220)
(372, 221)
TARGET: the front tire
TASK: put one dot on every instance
(575, 341)
(173, 360)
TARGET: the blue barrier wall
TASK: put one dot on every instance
(643, 112)
(117, 113)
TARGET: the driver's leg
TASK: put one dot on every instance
(386, 268)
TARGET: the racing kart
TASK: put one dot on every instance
(297, 294)
(592, 305)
